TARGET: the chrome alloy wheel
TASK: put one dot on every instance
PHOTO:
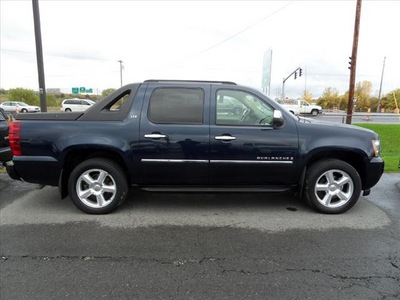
(96, 188)
(334, 188)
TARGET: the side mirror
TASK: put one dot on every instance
(278, 119)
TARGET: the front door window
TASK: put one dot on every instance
(238, 108)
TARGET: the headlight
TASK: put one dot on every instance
(376, 145)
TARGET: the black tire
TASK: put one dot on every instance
(332, 186)
(68, 110)
(314, 112)
(97, 186)
(24, 110)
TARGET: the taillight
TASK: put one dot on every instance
(14, 137)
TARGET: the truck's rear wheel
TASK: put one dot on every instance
(97, 186)
(332, 186)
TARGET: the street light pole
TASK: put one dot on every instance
(295, 77)
(380, 87)
(120, 69)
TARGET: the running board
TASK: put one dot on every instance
(276, 189)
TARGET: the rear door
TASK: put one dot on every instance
(246, 149)
(174, 135)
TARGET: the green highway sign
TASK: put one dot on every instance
(82, 89)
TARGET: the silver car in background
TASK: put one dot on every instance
(18, 107)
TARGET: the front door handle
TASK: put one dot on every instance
(225, 138)
(155, 136)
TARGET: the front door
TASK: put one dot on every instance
(174, 136)
(245, 149)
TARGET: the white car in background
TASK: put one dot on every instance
(300, 106)
(18, 107)
(69, 105)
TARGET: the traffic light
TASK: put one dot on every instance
(300, 72)
(295, 75)
(350, 62)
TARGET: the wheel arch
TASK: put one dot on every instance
(353, 158)
(76, 156)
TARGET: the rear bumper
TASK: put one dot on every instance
(34, 169)
(11, 170)
(5, 154)
(375, 168)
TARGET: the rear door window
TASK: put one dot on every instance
(176, 106)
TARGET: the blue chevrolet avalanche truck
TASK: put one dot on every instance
(165, 135)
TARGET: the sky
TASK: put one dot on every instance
(203, 40)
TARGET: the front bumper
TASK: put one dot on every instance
(374, 171)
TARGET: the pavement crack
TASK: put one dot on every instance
(394, 265)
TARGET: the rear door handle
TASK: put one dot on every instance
(225, 138)
(155, 136)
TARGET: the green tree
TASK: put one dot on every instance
(20, 94)
(329, 98)
(52, 100)
(107, 92)
(362, 92)
(307, 96)
(373, 103)
(343, 100)
(389, 101)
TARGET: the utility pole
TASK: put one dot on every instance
(353, 63)
(39, 55)
(380, 87)
(121, 67)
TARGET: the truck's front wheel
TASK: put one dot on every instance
(97, 186)
(314, 112)
(332, 186)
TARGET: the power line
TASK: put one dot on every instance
(237, 33)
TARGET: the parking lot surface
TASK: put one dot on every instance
(198, 246)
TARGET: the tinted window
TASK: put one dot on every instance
(75, 102)
(176, 106)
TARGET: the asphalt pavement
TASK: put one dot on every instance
(198, 246)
